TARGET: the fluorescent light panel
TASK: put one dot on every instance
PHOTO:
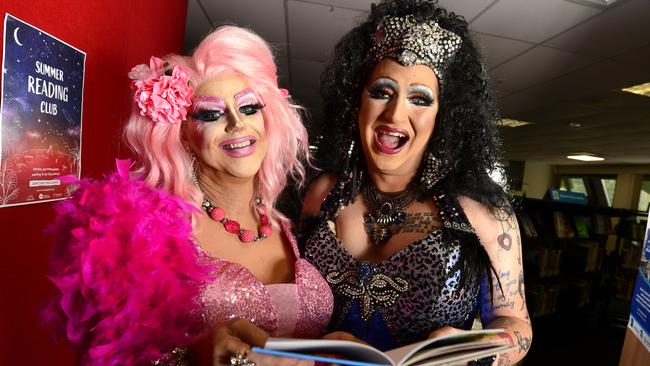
(641, 89)
(513, 123)
(585, 157)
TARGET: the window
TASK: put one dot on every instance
(573, 184)
(609, 187)
(644, 197)
(599, 189)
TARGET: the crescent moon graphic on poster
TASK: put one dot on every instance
(16, 36)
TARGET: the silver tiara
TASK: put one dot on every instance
(412, 43)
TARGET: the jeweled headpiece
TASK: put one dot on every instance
(414, 43)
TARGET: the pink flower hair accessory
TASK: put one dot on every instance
(162, 92)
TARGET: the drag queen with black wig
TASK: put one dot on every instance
(411, 233)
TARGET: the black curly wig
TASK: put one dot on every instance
(465, 135)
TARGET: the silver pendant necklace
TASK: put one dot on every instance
(387, 211)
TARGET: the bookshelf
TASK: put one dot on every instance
(577, 256)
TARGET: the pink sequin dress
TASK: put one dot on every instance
(301, 309)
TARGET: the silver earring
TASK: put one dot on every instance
(432, 171)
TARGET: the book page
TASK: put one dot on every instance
(350, 350)
(399, 356)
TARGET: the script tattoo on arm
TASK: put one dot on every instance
(420, 222)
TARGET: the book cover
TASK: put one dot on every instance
(444, 350)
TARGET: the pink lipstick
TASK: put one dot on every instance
(239, 147)
(390, 140)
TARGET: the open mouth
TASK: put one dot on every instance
(239, 147)
(390, 140)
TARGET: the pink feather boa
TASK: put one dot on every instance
(128, 274)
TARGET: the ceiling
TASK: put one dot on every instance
(556, 63)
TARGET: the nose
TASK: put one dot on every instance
(235, 122)
(396, 111)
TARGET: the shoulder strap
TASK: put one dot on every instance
(451, 213)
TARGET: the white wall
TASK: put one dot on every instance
(538, 178)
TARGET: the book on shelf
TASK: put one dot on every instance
(527, 225)
(562, 225)
(602, 224)
(582, 224)
(449, 349)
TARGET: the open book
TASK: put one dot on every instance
(450, 349)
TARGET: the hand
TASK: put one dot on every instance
(240, 335)
(343, 336)
(444, 331)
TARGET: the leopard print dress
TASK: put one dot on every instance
(403, 298)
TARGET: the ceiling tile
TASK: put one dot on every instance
(196, 26)
(363, 5)
(496, 50)
(615, 30)
(512, 104)
(536, 66)
(467, 8)
(306, 74)
(314, 29)
(264, 17)
(531, 20)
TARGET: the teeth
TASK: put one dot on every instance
(238, 145)
(390, 133)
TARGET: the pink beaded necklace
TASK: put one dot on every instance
(232, 226)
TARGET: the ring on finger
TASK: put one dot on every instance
(240, 359)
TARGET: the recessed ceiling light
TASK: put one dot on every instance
(513, 123)
(584, 156)
(641, 89)
(575, 124)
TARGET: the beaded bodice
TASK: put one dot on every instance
(236, 293)
(403, 298)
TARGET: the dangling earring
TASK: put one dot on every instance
(432, 171)
(193, 177)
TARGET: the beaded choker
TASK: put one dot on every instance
(246, 236)
(387, 214)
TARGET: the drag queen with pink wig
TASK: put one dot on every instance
(183, 255)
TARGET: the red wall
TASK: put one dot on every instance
(115, 35)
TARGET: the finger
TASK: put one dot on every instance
(226, 347)
(343, 336)
(444, 331)
(268, 360)
(248, 332)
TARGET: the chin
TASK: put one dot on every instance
(385, 164)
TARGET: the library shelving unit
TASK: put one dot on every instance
(577, 256)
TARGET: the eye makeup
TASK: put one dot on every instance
(246, 96)
(208, 108)
(421, 95)
(382, 88)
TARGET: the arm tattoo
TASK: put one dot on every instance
(420, 222)
(520, 289)
(522, 342)
(504, 239)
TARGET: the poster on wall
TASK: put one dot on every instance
(639, 322)
(40, 114)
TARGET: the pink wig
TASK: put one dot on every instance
(227, 50)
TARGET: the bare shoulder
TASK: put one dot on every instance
(318, 190)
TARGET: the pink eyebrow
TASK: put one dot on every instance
(243, 93)
(208, 101)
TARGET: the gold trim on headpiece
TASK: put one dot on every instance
(412, 43)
